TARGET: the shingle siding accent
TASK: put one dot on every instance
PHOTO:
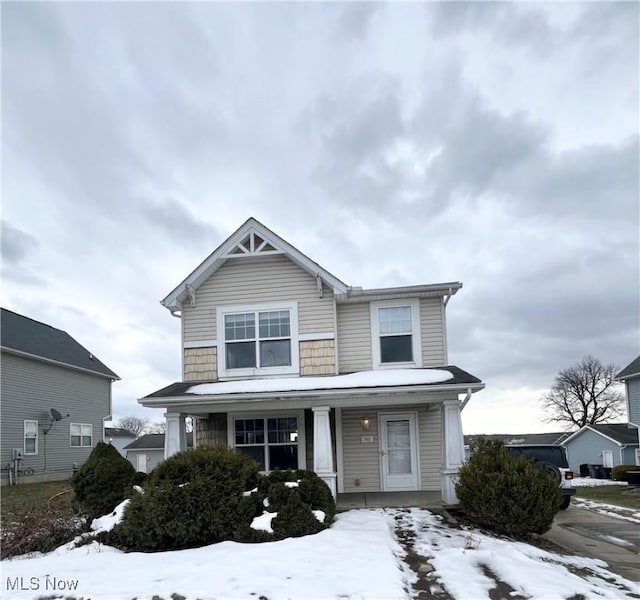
(318, 358)
(200, 364)
(256, 280)
(212, 431)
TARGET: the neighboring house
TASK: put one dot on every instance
(118, 438)
(147, 451)
(56, 396)
(603, 444)
(516, 438)
(631, 377)
(288, 364)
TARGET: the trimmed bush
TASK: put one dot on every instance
(103, 481)
(192, 499)
(505, 494)
(619, 473)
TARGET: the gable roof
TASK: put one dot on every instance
(521, 438)
(631, 370)
(154, 441)
(27, 337)
(114, 432)
(252, 238)
(620, 433)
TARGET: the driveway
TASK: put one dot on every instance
(587, 533)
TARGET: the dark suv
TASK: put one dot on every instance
(552, 459)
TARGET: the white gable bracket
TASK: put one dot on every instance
(192, 294)
(319, 284)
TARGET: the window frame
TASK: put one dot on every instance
(292, 369)
(416, 336)
(297, 414)
(71, 435)
(31, 437)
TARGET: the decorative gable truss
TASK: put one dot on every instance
(253, 245)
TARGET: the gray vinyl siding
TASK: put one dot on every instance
(254, 280)
(431, 331)
(587, 448)
(29, 389)
(633, 396)
(362, 460)
(354, 337)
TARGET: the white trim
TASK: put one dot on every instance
(315, 337)
(445, 348)
(294, 368)
(81, 425)
(412, 417)
(218, 257)
(24, 437)
(201, 344)
(339, 450)
(416, 338)
(271, 414)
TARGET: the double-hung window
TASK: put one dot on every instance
(81, 435)
(395, 333)
(30, 437)
(260, 339)
(272, 442)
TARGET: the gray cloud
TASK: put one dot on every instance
(16, 244)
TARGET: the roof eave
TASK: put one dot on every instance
(112, 377)
(363, 295)
(152, 401)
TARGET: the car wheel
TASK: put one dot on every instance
(550, 468)
(566, 500)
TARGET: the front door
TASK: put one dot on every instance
(398, 452)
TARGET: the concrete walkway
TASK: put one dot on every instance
(430, 500)
(587, 533)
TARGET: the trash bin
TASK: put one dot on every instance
(606, 471)
(584, 470)
(594, 471)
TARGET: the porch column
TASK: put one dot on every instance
(322, 448)
(452, 449)
(175, 438)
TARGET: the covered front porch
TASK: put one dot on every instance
(391, 440)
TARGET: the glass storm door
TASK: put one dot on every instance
(399, 457)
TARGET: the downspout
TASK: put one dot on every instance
(466, 399)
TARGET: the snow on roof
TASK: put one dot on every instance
(363, 379)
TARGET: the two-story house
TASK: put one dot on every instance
(56, 396)
(630, 375)
(288, 364)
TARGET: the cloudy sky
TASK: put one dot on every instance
(493, 144)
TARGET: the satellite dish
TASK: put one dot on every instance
(55, 415)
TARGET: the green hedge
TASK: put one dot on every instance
(505, 494)
(619, 473)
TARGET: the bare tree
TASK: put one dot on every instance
(157, 427)
(585, 394)
(135, 425)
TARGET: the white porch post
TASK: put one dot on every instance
(322, 448)
(175, 438)
(452, 449)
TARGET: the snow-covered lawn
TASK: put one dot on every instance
(359, 557)
(588, 482)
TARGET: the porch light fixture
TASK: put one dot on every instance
(365, 423)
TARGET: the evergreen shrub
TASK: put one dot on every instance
(191, 499)
(619, 473)
(103, 481)
(505, 494)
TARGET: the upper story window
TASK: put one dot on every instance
(81, 435)
(30, 437)
(395, 334)
(259, 339)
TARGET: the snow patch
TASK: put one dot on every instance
(263, 522)
(108, 522)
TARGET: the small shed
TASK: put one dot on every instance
(147, 451)
(118, 438)
(608, 445)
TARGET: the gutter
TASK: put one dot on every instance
(357, 294)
